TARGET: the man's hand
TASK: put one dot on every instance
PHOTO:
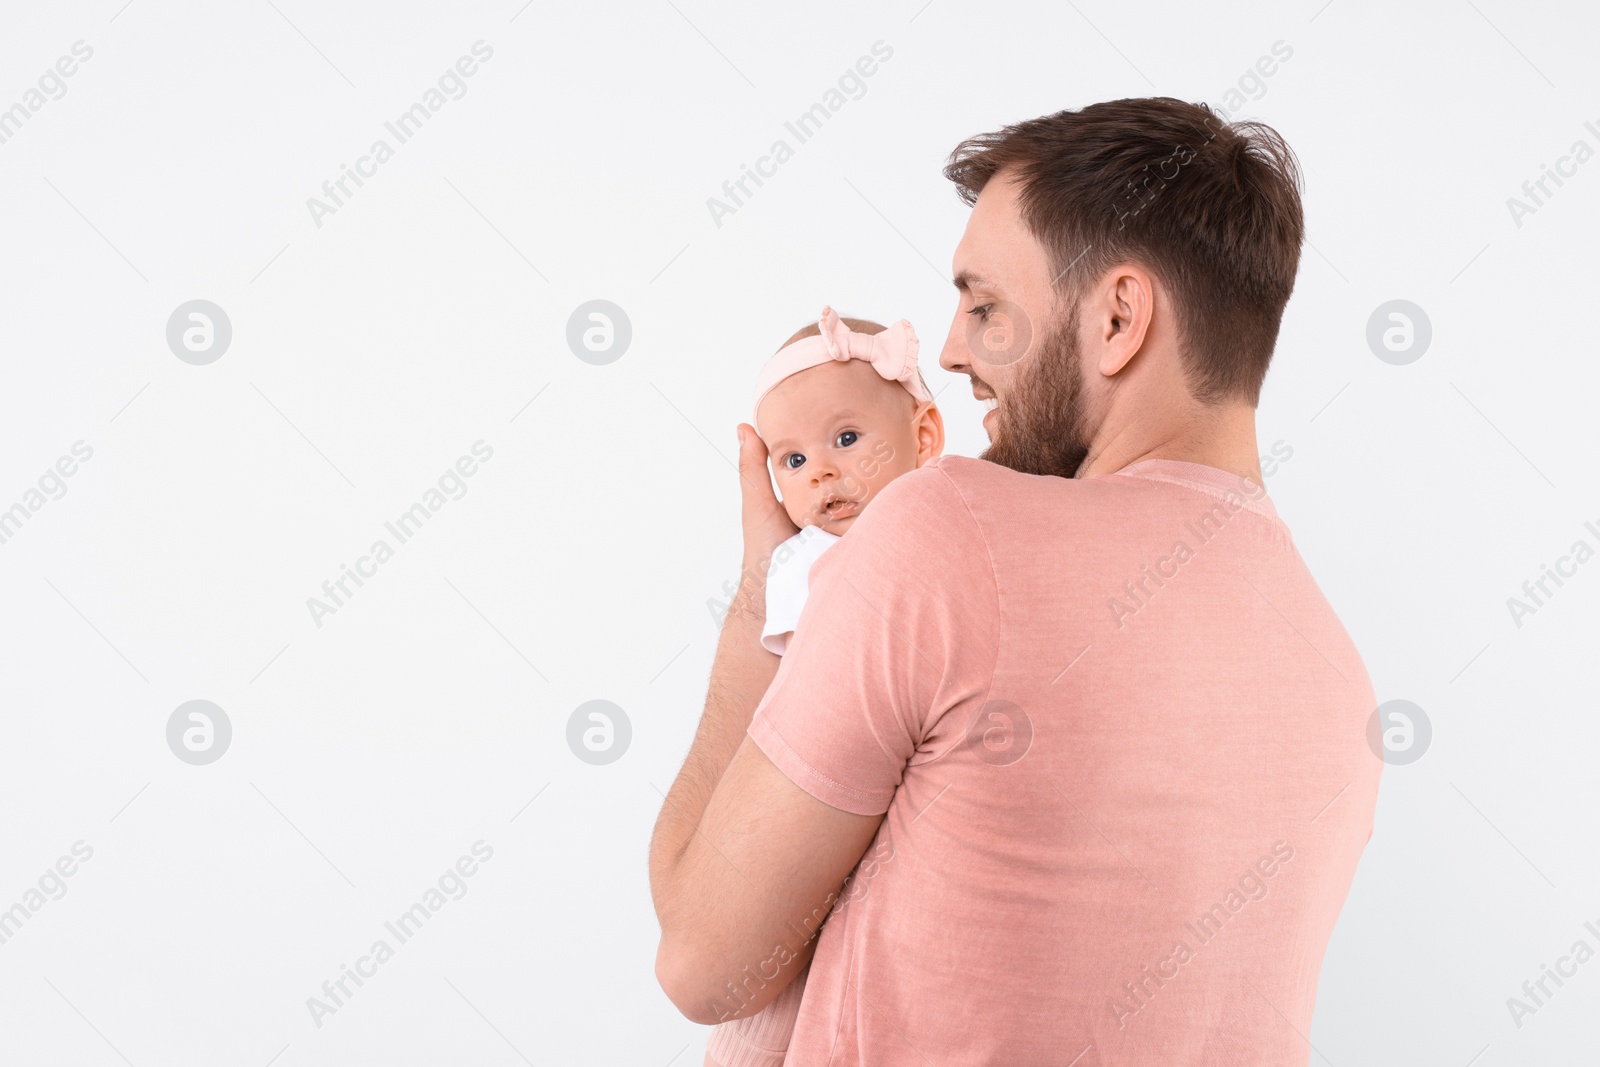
(766, 523)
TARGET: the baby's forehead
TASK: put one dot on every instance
(837, 382)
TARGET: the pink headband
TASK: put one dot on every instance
(892, 353)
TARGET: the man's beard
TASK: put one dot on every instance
(1042, 426)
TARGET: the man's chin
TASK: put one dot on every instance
(1041, 461)
(1000, 449)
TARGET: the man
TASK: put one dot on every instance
(1074, 714)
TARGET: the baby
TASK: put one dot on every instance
(843, 412)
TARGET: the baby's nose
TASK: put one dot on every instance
(823, 471)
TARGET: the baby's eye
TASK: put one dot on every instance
(793, 456)
(851, 434)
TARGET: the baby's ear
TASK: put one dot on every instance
(930, 435)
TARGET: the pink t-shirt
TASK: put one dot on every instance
(1119, 737)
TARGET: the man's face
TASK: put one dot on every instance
(1017, 345)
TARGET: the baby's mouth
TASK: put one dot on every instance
(838, 507)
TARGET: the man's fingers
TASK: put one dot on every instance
(766, 523)
(750, 444)
(757, 488)
(748, 470)
(752, 458)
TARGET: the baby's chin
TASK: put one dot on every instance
(822, 522)
(838, 526)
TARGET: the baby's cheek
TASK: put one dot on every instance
(858, 485)
(872, 487)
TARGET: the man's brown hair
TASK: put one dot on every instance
(1211, 207)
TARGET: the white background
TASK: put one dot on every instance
(370, 752)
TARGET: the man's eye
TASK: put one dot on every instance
(981, 312)
(793, 456)
(852, 435)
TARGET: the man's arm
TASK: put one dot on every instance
(744, 864)
(740, 673)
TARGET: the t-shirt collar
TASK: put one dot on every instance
(1210, 480)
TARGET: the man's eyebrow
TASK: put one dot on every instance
(966, 279)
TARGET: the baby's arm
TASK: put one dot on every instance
(762, 1039)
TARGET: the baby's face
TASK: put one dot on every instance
(835, 435)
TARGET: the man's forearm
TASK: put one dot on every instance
(740, 673)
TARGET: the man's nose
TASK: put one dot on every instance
(956, 356)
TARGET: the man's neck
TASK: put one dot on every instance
(1223, 437)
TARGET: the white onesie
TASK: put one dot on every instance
(788, 581)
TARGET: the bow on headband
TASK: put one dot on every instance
(892, 353)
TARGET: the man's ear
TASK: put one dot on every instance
(928, 428)
(1119, 317)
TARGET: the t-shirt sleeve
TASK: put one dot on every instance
(900, 626)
